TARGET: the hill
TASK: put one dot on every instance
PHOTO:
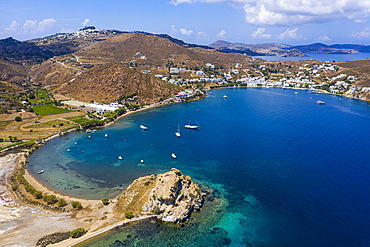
(109, 69)
(322, 48)
(106, 83)
(153, 51)
(258, 49)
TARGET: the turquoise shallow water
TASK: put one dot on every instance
(295, 173)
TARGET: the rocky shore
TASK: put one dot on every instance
(171, 197)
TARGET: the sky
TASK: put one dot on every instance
(292, 22)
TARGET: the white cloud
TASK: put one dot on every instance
(359, 20)
(222, 34)
(176, 2)
(12, 28)
(183, 31)
(295, 12)
(290, 34)
(260, 33)
(324, 38)
(30, 26)
(173, 30)
(202, 36)
(86, 22)
(46, 24)
(362, 34)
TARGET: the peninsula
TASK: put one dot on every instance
(170, 197)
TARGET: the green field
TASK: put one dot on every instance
(48, 109)
(41, 97)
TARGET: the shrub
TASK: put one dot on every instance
(50, 199)
(77, 205)
(76, 233)
(129, 215)
(14, 187)
(18, 119)
(62, 202)
(146, 183)
(37, 194)
(105, 201)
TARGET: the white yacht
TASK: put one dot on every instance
(177, 133)
(190, 126)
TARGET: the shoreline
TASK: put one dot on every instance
(94, 217)
(90, 203)
(90, 235)
(306, 89)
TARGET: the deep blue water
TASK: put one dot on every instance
(322, 57)
(295, 173)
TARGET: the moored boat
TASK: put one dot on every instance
(143, 127)
(40, 172)
(190, 126)
(320, 102)
(177, 133)
(173, 155)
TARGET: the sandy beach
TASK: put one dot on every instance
(24, 225)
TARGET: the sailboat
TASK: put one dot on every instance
(189, 126)
(177, 133)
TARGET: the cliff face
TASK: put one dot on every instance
(174, 197)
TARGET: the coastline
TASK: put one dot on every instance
(94, 217)
(306, 89)
(93, 204)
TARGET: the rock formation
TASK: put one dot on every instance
(174, 197)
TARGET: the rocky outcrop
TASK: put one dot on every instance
(174, 197)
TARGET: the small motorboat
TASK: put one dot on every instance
(320, 102)
(106, 135)
(120, 157)
(75, 143)
(89, 137)
(68, 150)
(173, 155)
(142, 161)
(40, 172)
(143, 127)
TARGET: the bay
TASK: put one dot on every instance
(294, 173)
(321, 57)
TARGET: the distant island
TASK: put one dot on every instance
(284, 50)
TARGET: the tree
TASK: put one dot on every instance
(18, 119)
(77, 205)
(105, 201)
(62, 202)
(37, 194)
(11, 138)
(50, 199)
(76, 233)
(129, 215)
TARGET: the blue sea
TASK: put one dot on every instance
(321, 57)
(289, 171)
